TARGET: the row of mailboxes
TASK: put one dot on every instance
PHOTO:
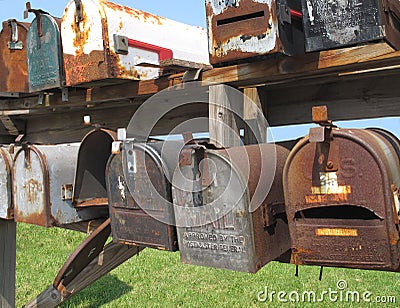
(252, 28)
(97, 41)
(160, 201)
(55, 185)
(333, 201)
(94, 41)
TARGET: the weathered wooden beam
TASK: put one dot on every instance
(8, 231)
(256, 128)
(347, 99)
(224, 131)
(311, 64)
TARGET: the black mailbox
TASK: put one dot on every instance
(139, 194)
(332, 24)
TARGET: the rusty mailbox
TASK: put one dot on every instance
(141, 210)
(13, 59)
(43, 178)
(342, 198)
(249, 28)
(229, 206)
(107, 42)
(44, 51)
(332, 24)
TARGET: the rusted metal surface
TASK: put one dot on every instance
(44, 52)
(342, 201)
(39, 174)
(224, 222)
(329, 25)
(6, 163)
(13, 59)
(248, 28)
(140, 197)
(107, 42)
(90, 183)
(85, 253)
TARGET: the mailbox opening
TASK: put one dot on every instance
(344, 212)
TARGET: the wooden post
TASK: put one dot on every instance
(222, 124)
(8, 237)
(256, 129)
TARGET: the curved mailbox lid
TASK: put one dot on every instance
(215, 225)
(44, 52)
(13, 59)
(42, 186)
(6, 206)
(340, 202)
(140, 197)
(90, 183)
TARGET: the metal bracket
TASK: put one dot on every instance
(120, 44)
(14, 44)
(192, 75)
(284, 14)
(38, 14)
(79, 11)
(64, 94)
(130, 157)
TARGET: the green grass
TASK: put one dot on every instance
(158, 279)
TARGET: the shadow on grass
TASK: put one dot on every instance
(103, 291)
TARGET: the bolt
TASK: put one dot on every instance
(329, 165)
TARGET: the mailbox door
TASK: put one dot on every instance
(6, 206)
(140, 206)
(332, 24)
(249, 28)
(44, 53)
(90, 184)
(340, 203)
(13, 61)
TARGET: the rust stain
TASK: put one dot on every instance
(13, 63)
(134, 12)
(33, 189)
(80, 37)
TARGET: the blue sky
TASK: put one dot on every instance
(188, 11)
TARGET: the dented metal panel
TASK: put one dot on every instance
(249, 28)
(222, 221)
(13, 59)
(141, 210)
(42, 187)
(90, 183)
(332, 24)
(342, 200)
(44, 53)
(103, 40)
